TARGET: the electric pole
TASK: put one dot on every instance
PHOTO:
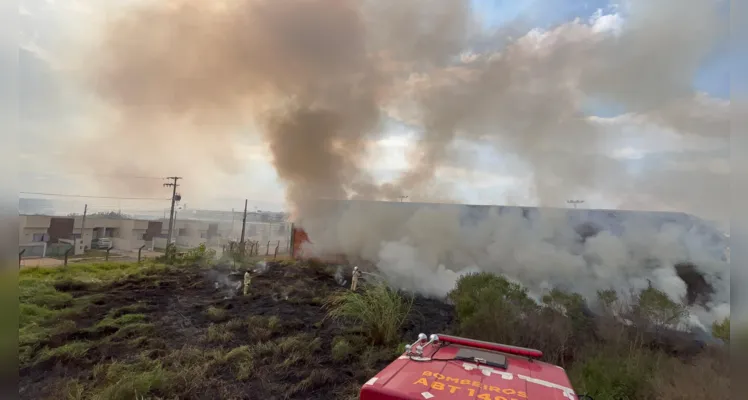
(575, 202)
(83, 222)
(173, 185)
(244, 222)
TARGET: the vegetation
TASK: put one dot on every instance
(604, 357)
(379, 310)
(721, 330)
(126, 331)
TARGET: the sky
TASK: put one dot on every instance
(56, 112)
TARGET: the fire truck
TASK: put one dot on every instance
(455, 368)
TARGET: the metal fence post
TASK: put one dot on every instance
(139, 251)
(267, 249)
(107, 253)
(275, 255)
(20, 257)
(66, 255)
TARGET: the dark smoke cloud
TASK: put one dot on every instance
(312, 75)
(316, 78)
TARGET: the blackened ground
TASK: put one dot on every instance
(698, 290)
(198, 337)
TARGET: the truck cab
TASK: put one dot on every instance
(450, 367)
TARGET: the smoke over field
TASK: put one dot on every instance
(315, 79)
(427, 247)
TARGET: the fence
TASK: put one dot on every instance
(33, 250)
(258, 248)
(57, 249)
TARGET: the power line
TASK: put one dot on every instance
(116, 176)
(93, 197)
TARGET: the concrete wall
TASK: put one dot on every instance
(127, 244)
(35, 221)
(26, 235)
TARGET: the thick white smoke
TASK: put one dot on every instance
(426, 248)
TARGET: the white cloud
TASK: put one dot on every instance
(601, 23)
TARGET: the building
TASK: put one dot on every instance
(48, 234)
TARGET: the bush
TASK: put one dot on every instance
(721, 330)
(491, 308)
(199, 254)
(379, 310)
(615, 375)
(656, 310)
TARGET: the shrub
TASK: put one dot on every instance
(721, 330)
(615, 375)
(199, 254)
(655, 309)
(378, 309)
(489, 307)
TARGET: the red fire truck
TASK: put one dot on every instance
(450, 367)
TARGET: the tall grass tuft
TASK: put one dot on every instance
(379, 310)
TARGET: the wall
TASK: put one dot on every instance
(35, 221)
(60, 228)
(77, 245)
(158, 243)
(27, 234)
(154, 229)
(127, 244)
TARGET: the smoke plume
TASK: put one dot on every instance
(315, 79)
(426, 248)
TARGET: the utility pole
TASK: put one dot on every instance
(244, 221)
(173, 185)
(575, 202)
(83, 222)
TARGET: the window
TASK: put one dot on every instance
(38, 237)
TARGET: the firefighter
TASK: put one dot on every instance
(354, 278)
(247, 282)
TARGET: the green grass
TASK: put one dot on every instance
(341, 349)
(121, 321)
(68, 351)
(379, 310)
(47, 309)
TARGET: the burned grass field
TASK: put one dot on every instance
(122, 331)
(186, 331)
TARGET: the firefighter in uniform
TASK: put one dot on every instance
(354, 278)
(247, 282)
